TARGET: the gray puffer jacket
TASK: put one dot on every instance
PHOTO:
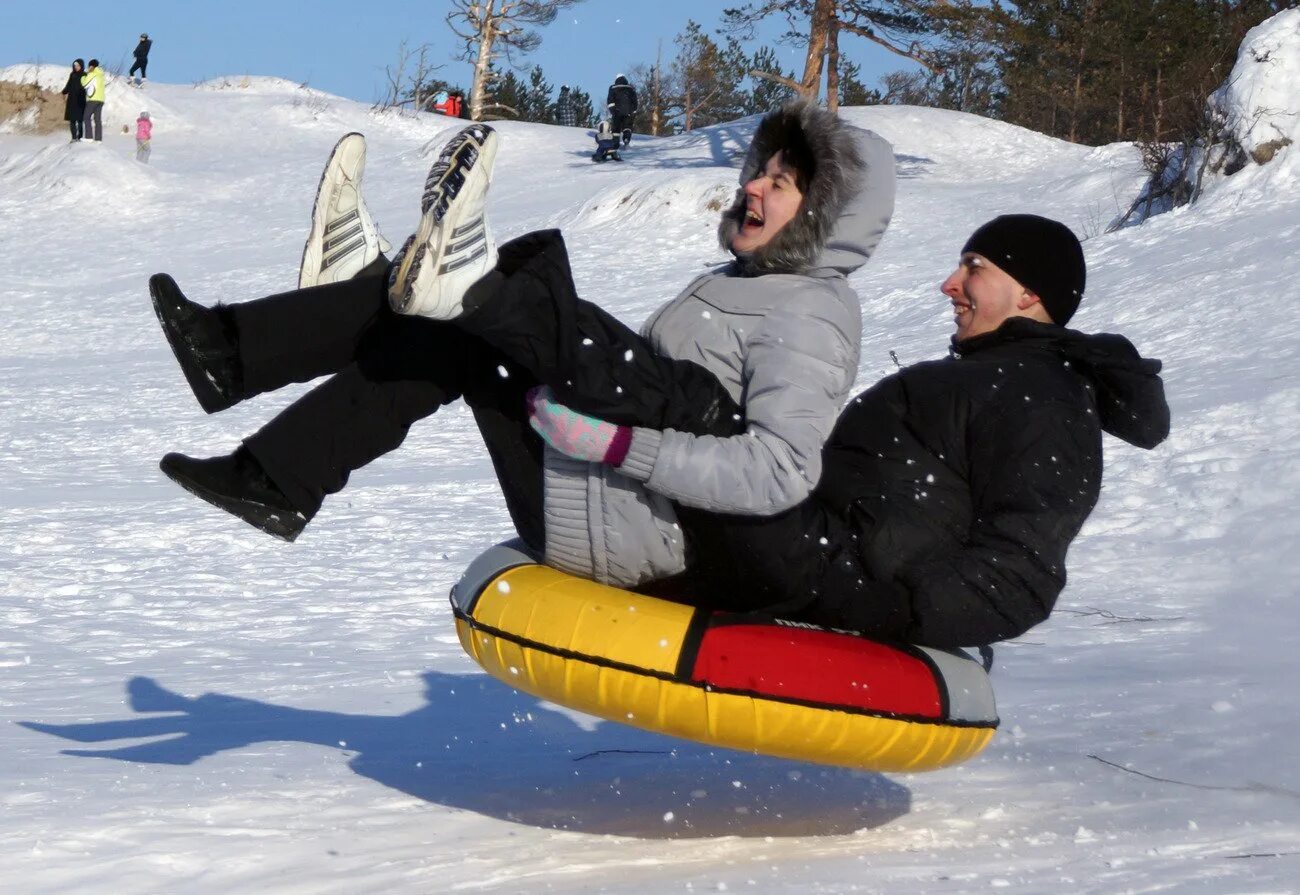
(780, 330)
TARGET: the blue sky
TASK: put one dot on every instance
(343, 47)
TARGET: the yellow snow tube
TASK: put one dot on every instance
(746, 682)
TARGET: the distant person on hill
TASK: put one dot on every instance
(74, 107)
(566, 115)
(606, 142)
(141, 63)
(446, 103)
(776, 333)
(93, 82)
(621, 102)
(143, 136)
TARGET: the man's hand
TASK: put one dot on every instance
(576, 434)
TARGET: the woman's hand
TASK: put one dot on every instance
(576, 434)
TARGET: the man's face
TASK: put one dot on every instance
(983, 296)
(772, 199)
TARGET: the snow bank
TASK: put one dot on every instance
(1260, 101)
(47, 77)
(651, 202)
(258, 85)
(84, 171)
(1256, 121)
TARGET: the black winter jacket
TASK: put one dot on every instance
(950, 492)
(142, 50)
(74, 107)
(621, 97)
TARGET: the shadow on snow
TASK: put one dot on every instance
(480, 746)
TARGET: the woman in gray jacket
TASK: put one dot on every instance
(775, 334)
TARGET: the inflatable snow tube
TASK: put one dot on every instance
(752, 683)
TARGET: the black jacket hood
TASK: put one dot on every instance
(1130, 394)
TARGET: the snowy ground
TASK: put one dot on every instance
(230, 713)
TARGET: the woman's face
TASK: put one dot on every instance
(76, 66)
(772, 199)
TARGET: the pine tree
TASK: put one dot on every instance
(657, 95)
(583, 110)
(510, 100)
(896, 25)
(537, 98)
(1094, 71)
(852, 91)
(707, 78)
(764, 94)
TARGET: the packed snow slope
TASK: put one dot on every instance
(190, 706)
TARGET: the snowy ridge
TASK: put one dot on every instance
(190, 706)
(74, 172)
(649, 201)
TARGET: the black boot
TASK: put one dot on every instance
(237, 484)
(203, 341)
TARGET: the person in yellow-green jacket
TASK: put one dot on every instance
(93, 81)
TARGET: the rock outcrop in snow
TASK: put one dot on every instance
(1255, 120)
(1260, 102)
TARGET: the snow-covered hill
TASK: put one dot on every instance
(255, 716)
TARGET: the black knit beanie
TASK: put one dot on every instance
(1042, 254)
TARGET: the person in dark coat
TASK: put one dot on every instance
(952, 489)
(565, 114)
(141, 63)
(622, 105)
(74, 107)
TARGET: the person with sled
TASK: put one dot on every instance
(606, 142)
(951, 490)
(93, 83)
(621, 102)
(74, 107)
(774, 335)
(446, 103)
(566, 114)
(141, 63)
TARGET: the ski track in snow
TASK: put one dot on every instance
(225, 712)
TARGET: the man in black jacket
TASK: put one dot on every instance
(952, 489)
(622, 105)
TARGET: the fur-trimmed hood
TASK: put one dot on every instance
(848, 199)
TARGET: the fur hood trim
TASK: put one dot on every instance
(807, 134)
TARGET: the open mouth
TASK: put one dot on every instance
(753, 218)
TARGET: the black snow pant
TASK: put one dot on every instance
(622, 125)
(75, 124)
(142, 65)
(524, 325)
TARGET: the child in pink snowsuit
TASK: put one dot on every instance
(143, 134)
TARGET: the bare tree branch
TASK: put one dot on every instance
(776, 79)
(913, 51)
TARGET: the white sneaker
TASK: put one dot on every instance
(343, 237)
(452, 248)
